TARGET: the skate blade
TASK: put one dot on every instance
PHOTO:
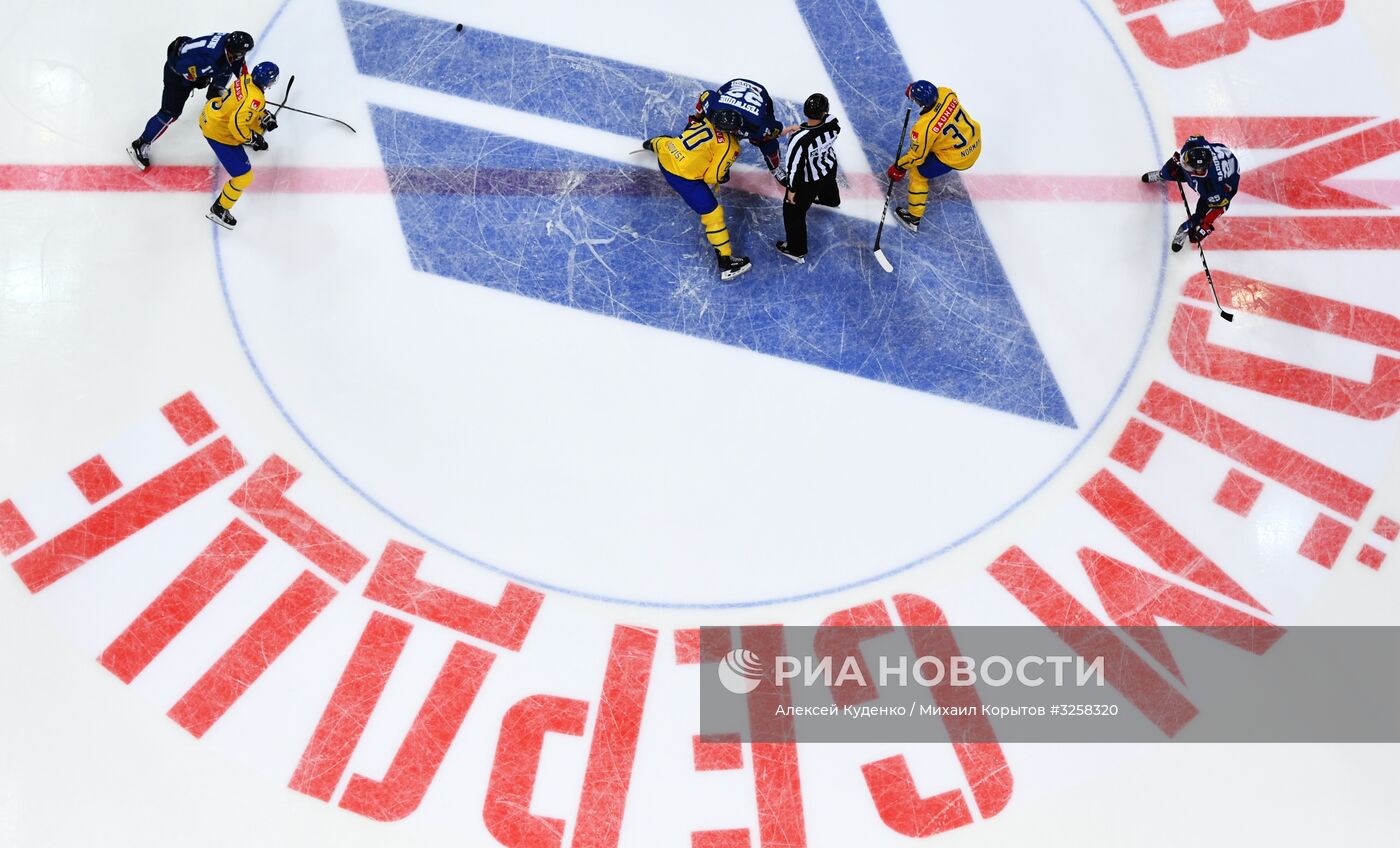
(730, 276)
(220, 221)
(800, 260)
(131, 154)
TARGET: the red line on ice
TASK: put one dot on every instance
(373, 180)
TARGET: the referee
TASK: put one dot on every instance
(810, 165)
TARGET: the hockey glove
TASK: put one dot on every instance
(202, 82)
(895, 173)
(258, 142)
(215, 93)
(269, 122)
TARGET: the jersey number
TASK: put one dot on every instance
(750, 93)
(696, 137)
(952, 129)
(195, 44)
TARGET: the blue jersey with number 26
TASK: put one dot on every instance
(1222, 177)
(750, 100)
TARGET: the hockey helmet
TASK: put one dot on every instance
(922, 92)
(727, 120)
(237, 45)
(265, 75)
(1196, 156)
(816, 107)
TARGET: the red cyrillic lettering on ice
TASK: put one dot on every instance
(1232, 35)
(424, 747)
(395, 583)
(264, 498)
(1377, 399)
(95, 479)
(901, 805)
(128, 514)
(515, 769)
(1151, 533)
(839, 639)
(1087, 636)
(254, 652)
(178, 604)
(1252, 449)
(347, 713)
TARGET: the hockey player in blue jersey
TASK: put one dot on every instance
(1213, 172)
(206, 62)
(751, 101)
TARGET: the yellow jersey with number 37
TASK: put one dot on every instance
(946, 132)
(700, 152)
(235, 117)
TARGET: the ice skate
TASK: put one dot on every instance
(732, 266)
(799, 258)
(140, 154)
(909, 222)
(1179, 240)
(221, 216)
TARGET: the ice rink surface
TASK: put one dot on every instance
(388, 516)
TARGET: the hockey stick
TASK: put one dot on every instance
(1223, 314)
(899, 151)
(285, 94)
(314, 115)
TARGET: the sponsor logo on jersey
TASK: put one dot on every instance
(946, 115)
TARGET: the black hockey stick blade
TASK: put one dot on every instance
(322, 117)
(286, 93)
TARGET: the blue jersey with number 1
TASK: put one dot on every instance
(203, 60)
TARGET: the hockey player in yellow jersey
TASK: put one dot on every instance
(231, 121)
(944, 138)
(693, 163)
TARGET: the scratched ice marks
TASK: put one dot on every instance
(587, 233)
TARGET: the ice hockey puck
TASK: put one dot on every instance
(459, 27)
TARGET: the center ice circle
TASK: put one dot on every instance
(599, 458)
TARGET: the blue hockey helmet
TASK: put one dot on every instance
(727, 120)
(1196, 155)
(922, 92)
(265, 75)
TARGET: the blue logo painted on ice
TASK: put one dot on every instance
(551, 223)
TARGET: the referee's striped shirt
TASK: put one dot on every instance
(811, 155)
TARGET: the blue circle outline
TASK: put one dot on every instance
(723, 605)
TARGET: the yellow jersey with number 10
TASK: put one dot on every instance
(700, 152)
(234, 118)
(945, 132)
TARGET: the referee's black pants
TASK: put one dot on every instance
(796, 203)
